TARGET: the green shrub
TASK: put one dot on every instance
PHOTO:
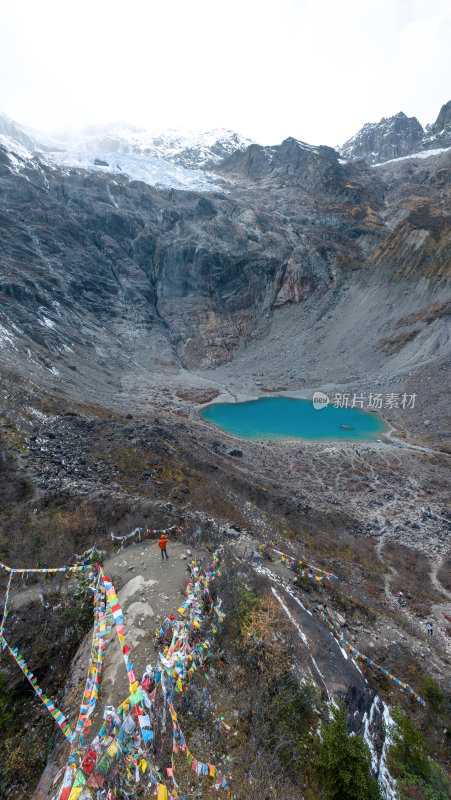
(344, 763)
(81, 610)
(247, 603)
(6, 702)
(417, 774)
(432, 693)
(287, 717)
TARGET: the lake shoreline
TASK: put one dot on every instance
(253, 419)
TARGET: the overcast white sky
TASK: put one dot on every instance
(313, 69)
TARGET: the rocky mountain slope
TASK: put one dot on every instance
(123, 308)
(398, 137)
(101, 273)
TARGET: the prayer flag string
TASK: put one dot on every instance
(366, 659)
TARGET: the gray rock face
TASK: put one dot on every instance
(292, 162)
(398, 136)
(94, 261)
(443, 121)
(98, 270)
(380, 141)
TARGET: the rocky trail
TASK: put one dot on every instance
(151, 589)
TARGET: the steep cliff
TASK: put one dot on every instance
(398, 136)
(102, 273)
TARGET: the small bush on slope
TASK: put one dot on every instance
(344, 763)
(418, 775)
(433, 694)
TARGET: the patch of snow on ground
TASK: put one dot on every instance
(386, 781)
(367, 722)
(46, 322)
(343, 651)
(296, 599)
(40, 415)
(296, 624)
(421, 154)
(306, 146)
(6, 337)
(14, 149)
(136, 167)
(302, 636)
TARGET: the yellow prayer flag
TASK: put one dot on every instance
(162, 792)
(113, 750)
(75, 792)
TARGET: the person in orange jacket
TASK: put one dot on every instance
(162, 545)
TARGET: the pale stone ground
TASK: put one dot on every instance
(151, 590)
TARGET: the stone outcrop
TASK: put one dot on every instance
(443, 121)
(397, 137)
(390, 138)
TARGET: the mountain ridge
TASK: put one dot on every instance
(377, 142)
(398, 136)
(177, 279)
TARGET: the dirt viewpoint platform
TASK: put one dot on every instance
(149, 590)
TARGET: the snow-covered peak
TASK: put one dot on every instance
(13, 135)
(168, 159)
(191, 149)
(17, 144)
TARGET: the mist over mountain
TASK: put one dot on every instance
(140, 154)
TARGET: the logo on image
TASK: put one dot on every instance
(320, 400)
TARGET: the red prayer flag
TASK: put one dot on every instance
(89, 760)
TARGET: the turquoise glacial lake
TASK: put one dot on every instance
(288, 418)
